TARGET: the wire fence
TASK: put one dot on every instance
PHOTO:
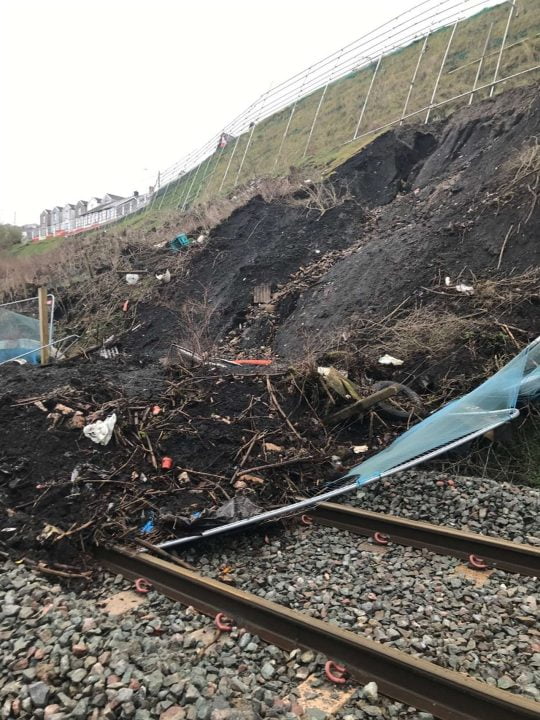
(424, 63)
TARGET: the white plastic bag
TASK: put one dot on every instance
(101, 431)
(389, 360)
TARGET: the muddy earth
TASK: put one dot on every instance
(372, 262)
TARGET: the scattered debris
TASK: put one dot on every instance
(101, 431)
(390, 360)
(132, 278)
(179, 242)
(164, 277)
(262, 294)
(108, 353)
(465, 289)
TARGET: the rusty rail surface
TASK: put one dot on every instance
(497, 553)
(446, 694)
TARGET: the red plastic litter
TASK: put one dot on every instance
(142, 585)
(253, 362)
(166, 463)
(125, 306)
(223, 626)
(381, 538)
(155, 410)
(477, 563)
(335, 672)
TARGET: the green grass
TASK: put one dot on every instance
(331, 144)
(38, 248)
(340, 110)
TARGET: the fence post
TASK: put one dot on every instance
(440, 72)
(211, 175)
(190, 188)
(413, 79)
(321, 99)
(245, 152)
(44, 338)
(503, 43)
(364, 106)
(229, 164)
(184, 188)
(293, 110)
(164, 195)
(319, 106)
(480, 64)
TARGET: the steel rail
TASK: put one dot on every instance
(446, 694)
(303, 505)
(498, 553)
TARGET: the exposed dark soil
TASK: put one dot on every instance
(350, 281)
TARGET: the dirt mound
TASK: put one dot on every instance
(414, 206)
(464, 199)
(356, 268)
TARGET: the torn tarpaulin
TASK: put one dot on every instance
(237, 508)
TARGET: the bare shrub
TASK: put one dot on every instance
(196, 317)
(322, 197)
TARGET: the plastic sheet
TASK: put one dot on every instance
(492, 402)
(19, 334)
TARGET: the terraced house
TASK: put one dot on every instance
(88, 214)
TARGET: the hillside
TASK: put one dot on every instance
(343, 99)
(357, 274)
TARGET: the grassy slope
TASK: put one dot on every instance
(343, 101)
(344, 98)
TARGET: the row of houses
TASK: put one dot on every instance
(85, 215)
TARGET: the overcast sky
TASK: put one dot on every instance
(97, 95)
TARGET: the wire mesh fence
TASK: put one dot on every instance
(439, 55)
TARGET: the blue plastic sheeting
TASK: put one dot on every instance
(29, 349)
(491, 403)
(19, 335)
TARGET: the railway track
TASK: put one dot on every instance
(477, 549)
(444, 693)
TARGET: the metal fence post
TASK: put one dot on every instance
(321, 100)
(253, 125)
(503, 43)
(184, 190)
(440, 71)
(164, 195)
(413, 79)
(211, 175)
(480, 63)
(190, 187)
(229, 164)
(293, 110)
(364, 106)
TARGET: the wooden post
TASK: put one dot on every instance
(43, 325)
(360, 406)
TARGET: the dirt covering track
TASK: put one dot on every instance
(357, 267)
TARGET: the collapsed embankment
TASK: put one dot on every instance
(357, 267)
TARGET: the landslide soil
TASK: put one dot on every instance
(362, 274)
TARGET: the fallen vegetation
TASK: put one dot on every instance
(423, 274)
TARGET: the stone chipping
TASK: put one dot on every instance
(64, 655)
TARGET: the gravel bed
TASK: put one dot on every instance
(475, 504)
(64, 657)
(408, 599)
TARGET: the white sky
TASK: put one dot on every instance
(97, 95)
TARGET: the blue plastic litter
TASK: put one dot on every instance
(148, 527)
(179, 242)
